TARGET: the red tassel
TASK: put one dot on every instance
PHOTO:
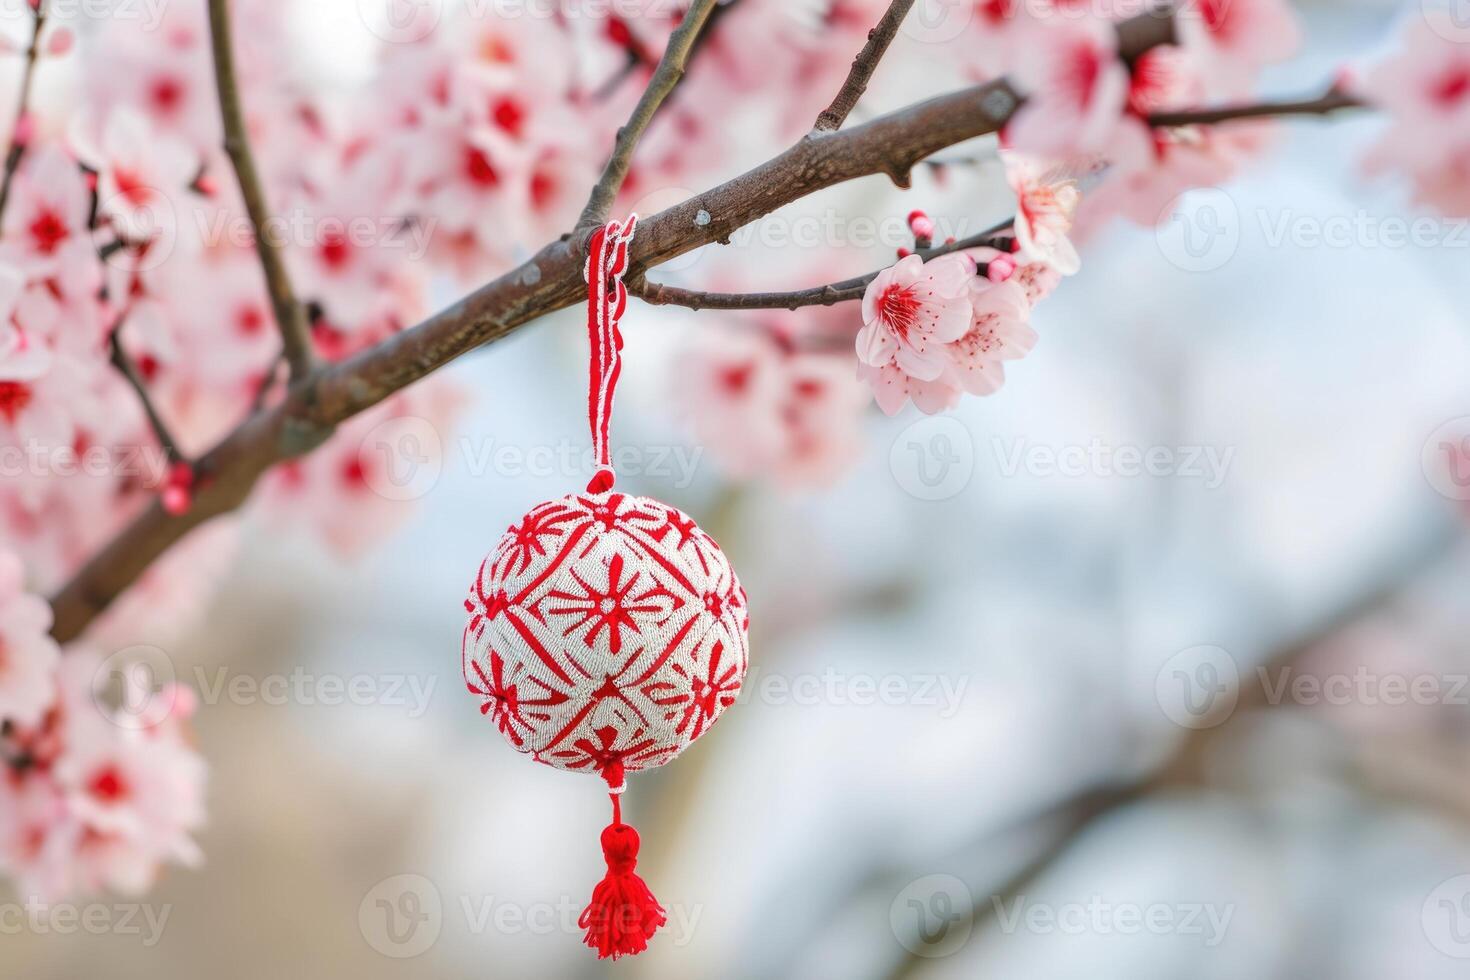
(623, 913)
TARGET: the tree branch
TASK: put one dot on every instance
(1182, 768)
(863, 66)
(550, 280)
(658, 294)
(18, 137)
(1332, 101)
(665, 77)
(290, 315)
(129, 370)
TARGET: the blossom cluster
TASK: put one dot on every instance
(1086, 120)
(93, 795)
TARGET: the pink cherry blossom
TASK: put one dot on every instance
(1075, 86)
(1045, 205)
(163, 73)
(1424, 87)
(727, 386)
(47, 211)
(1232, 40)
(142, 174)
(28, 655)
(105, 798)
(344, 493)
(911, 310)
(892, 390)
(998, 332)
(762, 407)
(131, 788)
(352, 247)
(1149, 168)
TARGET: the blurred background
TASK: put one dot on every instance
(1019, 705)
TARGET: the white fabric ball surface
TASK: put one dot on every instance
(606, 633)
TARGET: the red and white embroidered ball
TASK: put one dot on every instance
(606, 633)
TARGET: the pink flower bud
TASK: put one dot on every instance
(176, 500)
(61, 41)
(25, 128)
(178, 495)
(1000, 269)
(921, 226)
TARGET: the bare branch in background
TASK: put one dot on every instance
(1332, 101)
(665, 77)
(129, 370)
(1081, 813)
(550, 280)
(18, 136)
(290, 315)
(863, 66)
(830, 294)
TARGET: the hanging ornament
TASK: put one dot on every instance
(607, 632)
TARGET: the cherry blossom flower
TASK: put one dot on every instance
(1075, 86)
(127, 786)
(728, 385)
(1424, 87)
(47, 211)
(1045, 205)
(105, 798)
(763, 407)
(352, 250)
(911, 310)
(344, 493)
(164, 73)
(998, 332)
(1232, 40)
(28, 655)
(1149, 168)
(141, 174)
(892, 389)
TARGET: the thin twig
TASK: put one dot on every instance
(1333, 101)
(129, 370)
(665, 77)
(830, 294)
(18, 145)
(290, 316)
(863, 66)
(1182, 769)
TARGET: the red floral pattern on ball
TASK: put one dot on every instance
(606, 632)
